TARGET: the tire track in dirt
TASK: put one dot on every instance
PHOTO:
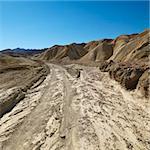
(34, 119)
(91, 112)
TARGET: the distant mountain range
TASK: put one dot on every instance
(22, 52)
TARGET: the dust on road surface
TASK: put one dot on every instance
(91, 112)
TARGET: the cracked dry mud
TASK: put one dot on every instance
(64, 112)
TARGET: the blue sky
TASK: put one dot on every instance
(43, 24)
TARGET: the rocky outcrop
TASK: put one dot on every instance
(16, 78)
(129, 63)
(128, 75)
(8, 101)
(144, 82)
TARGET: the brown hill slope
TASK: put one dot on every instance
(132, 48)
(100, 52)
(125, 48)
(71, 52)
(18, 74)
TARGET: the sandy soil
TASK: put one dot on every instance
(91, 112)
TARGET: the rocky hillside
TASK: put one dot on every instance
(130, 54)
(133, 49)
(17, 75)
(67, 52)
(125, 48)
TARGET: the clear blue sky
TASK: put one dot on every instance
(43, 24)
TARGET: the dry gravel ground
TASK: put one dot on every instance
(66, 112)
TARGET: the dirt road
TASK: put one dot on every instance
(72, 111)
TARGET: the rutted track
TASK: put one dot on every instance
(64, 112)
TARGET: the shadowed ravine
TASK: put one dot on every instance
(72, 111)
